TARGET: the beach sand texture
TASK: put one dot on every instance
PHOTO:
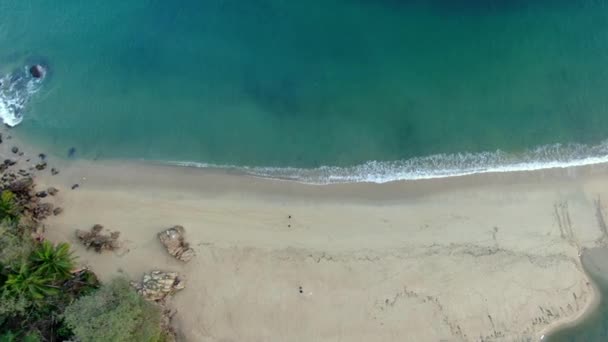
(478, 258)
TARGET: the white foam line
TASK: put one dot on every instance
(432, 167)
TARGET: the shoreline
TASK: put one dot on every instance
(423, 168)
(594, 261)
(340, 227)
(591, 307)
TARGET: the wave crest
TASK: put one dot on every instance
(434, 166)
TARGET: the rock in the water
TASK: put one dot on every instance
(75, 186)
(37, 71)
(41, 166)
(157, 285)
(100, 242)
(41, 194)
(52, 191)
(54, 171)
(173, 240)
(15, 149)
(57, 211)
(42, 156)
(9, 162)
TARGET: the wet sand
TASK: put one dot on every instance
(590, 326)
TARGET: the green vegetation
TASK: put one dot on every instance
(27, 282)
(44, 298)
(14, 337)
(37, 280)
(114, 313)
(55, 262)
(8, 207)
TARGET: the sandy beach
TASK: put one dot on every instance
(491, 257)
(479, 258)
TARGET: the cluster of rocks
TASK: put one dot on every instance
(173, 240)
(98, 241)
(8, 163)
(156, 286)
(20, 182)
(27, 198)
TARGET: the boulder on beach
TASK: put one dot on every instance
(42, 211)
(41, 166)
(98, 241)
(157, 285)
(173, 240)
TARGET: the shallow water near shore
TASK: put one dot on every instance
(346, 90)
(593, 327)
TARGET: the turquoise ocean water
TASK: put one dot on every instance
(319, 91)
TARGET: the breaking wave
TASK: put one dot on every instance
(434, 166)
(16, 89)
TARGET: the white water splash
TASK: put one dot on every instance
(435, 166)
(16, 89)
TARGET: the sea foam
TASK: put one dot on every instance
(434, 166)
(16, 89)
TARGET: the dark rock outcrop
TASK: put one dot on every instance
(22, 185)
(98, 241)
(37, 71)
(42, 211)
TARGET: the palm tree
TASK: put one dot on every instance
(30, 284)
(55, 262)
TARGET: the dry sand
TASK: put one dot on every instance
(489, 257)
